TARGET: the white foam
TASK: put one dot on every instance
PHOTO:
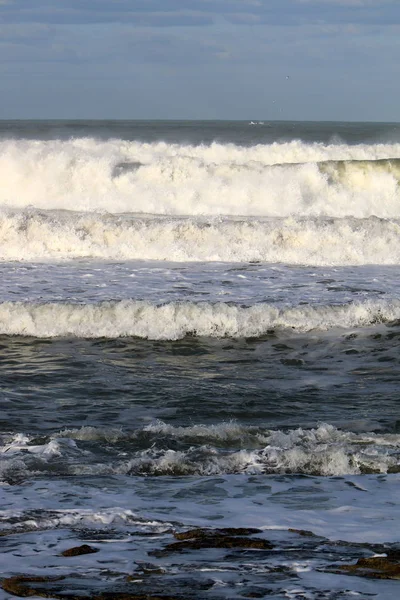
(224, 448)
(324, 451)
(21, 458)
(73, 518)
(88, 433)
(22, 443)
(119, 176)
(177, 319)
(222, 432)
(34, 235)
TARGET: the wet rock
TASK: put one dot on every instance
(207, 533)
(79, 550)
(145, 570)
(228, 537)
(292, 362)
(375, 567)
(257, 593)
(18, 585)
(129, 596)
(217, 541)
(150, 569)
(371, 547)
(303, 532)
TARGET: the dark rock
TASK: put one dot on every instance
(228, 537)
(79, 550)
(221, 541)
(145, 570)
(303, 532)
(207, 533)
(292, 362)
(375, 567)
(17, 585)
(149, 569)
(129, 596)
(393, 554)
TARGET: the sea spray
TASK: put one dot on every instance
(275, 180)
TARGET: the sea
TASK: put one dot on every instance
(199, 358)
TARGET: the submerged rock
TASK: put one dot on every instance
(229, 537)
(19, 586)
(303, 532)
(79, 550)
(207, 533)
(146, 570)
(375, 567)
(224, 541)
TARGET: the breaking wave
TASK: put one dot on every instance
(47, 235)
(275, 180)
(224, 448)
(175, 320)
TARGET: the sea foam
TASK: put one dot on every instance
(277, 180)
(175, 320)
(298, 203)
(46, 235)
(324, 451)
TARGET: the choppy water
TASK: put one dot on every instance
(199, 327)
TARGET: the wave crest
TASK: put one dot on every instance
(224, 448)
(34, 235)
(177, 319)
(169, 179)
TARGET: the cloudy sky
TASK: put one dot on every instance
(200, 59)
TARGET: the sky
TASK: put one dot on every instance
(200, 59)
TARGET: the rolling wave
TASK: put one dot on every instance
(175, 320)
(276, 180)
(356, 172)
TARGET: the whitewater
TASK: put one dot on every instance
(176, 320)
(267, 180)
(199, 359)
(291, 202)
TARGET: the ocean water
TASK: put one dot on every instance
(199, 327)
